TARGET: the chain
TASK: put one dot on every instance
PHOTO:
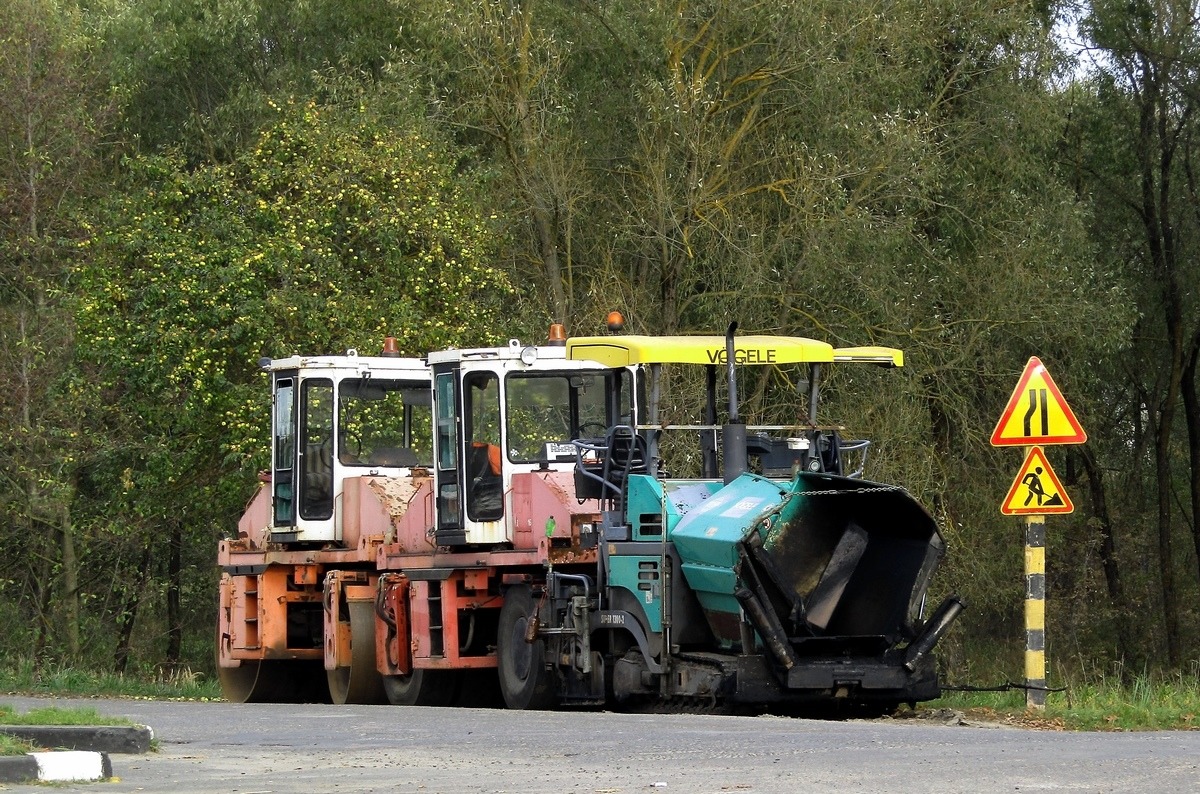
(877, 489)
(1001, 688)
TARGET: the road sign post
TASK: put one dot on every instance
(1035, 611)
(1036, 414)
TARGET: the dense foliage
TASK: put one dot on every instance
(188, 186)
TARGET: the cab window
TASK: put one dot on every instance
(546, 412)
(384, 423)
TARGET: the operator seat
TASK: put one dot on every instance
(393, 456)
(484, 483)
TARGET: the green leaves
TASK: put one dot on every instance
(303, 178)
(342, 224)
(332, 232)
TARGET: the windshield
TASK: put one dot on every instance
(384, 423)
(545, 412)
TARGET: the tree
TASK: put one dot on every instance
(195, 75)
(1136, 153)
(343, 224)
(500, 76)
(50, 121)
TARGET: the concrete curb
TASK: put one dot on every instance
(82, 751)
(18, 768)
(61, 767)
(99, 738)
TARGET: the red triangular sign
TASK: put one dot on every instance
(1037, 413)
(1036, 490)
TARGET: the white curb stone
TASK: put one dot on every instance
(72, 765)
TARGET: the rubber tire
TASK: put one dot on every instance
(359, 683)
(525, 682)
(480, 689)
(422, 688)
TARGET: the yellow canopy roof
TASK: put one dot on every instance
(619, 351)
(885, 356)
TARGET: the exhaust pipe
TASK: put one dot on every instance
(733, 433)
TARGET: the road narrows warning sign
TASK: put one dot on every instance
(1036, 490)
(1037, 413)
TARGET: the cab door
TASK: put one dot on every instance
(315, 469)
(483, 460)
(447, 477)
(283, 451)
(469, 475)
(302, 466)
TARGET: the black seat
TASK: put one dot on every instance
(485, 488)
(393, 456)
(623, 453)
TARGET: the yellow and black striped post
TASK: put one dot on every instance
(1035, 612)
(1036, 414)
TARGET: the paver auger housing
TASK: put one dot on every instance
(500, 525)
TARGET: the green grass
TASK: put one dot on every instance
(53, 715)
(1145, 702)
(12, 746)
(22, 677)
(1095, 702)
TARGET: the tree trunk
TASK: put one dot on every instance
(547, 233)
(174, 588)
(70, 572)
(41, 569)
(1162, 472)
(127, 616)
(1191, 412)
(45, 591)
(1108, 555)
(1156, 142)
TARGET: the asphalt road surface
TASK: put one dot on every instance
(253, 749)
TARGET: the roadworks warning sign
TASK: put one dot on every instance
(1036, 490)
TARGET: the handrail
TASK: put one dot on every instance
(805, 428)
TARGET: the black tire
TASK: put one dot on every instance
(422, 688)
(241, 684)
(525, 682)
(480, 689)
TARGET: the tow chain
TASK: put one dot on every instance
(877, 489)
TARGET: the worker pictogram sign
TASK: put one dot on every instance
(1036, 490)
(1037, 413)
